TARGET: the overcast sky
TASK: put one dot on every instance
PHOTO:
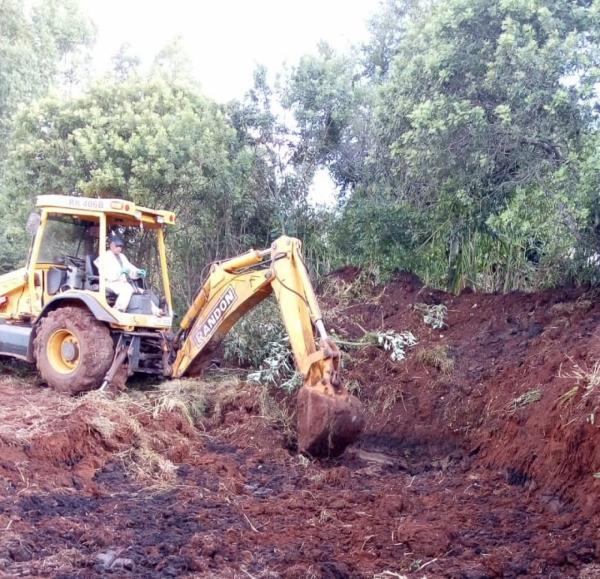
(227, 38)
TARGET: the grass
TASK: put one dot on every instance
(148, 466)
(135, 427)
(389, 401)
(568, 396)
(524, 400)
(58, 562)
(33, 417)
(120, 411)
(362, 287)
(276, 413)
(341, 295)
(589, 378)
(117, 422)
(354, 387)
(568, 308)
(322, 518)
(190, 397)
(104, 426)
(124, 426)
(386, 398)
(585, 377)
(437, 357)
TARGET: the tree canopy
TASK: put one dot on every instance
(39, 41)
(462, 137)
(480, 120)
(478, 117)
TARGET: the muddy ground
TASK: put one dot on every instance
(481, 457)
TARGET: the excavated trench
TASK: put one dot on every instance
(478, 459)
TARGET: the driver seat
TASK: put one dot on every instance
(92, 280)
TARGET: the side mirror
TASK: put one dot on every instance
(33, 223)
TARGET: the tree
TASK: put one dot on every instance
(268, 144)
(173, 63)
(330, 102)
(39, 44)
(484, 112)
(387, 29)
(154, 141)
(125, 63)
(278, 177)
(42, 44)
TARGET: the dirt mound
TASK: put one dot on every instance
(478, 459)
(514, 380)
(50, 441)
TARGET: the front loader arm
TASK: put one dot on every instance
(328, 417)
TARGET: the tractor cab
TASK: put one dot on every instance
(71, 236)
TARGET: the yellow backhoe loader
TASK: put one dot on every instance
(58, 313)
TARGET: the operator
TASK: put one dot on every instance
(116, 269)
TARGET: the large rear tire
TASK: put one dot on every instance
(73, 350)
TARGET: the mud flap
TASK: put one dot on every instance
(327, 423)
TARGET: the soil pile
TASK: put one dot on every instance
(513, 380)
(478, 459)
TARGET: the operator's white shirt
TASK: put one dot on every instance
(111, 270)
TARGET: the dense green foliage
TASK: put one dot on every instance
(469, 140)
(158, 142)
(462, 137)
(481, 126)
(39, 42)
(42, 43)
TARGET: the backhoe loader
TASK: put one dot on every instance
(58, 313)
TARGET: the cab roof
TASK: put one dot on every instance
(113, 207)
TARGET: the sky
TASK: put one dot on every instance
(226, 39)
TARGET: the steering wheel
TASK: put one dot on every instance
(73, 260)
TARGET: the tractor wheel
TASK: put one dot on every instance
(73, 350)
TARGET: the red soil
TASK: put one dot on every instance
(452, 478)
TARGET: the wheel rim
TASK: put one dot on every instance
(63, 351)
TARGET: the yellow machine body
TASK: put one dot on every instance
(79, 341)
(24, 292)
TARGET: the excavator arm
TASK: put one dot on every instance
(329, 418)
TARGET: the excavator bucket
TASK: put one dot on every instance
(327, 422)
(329, 417)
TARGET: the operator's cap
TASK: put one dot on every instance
(116, 239)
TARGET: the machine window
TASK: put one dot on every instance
(66, 236)
(141, 248)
